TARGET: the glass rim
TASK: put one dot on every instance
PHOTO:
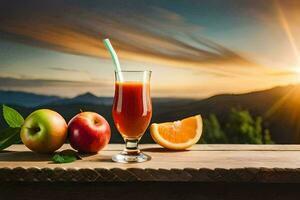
(150, 71)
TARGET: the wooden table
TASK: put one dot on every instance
(204, 171)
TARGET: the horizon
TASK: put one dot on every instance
(158, 97)
(192, 52)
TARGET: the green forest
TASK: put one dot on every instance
(240, 128)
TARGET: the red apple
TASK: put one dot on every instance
(88, 132)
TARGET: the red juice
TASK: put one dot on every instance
(132, 109)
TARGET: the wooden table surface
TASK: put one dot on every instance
(201, 163)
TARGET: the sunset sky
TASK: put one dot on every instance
(194, 48)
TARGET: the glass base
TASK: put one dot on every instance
(124, 157)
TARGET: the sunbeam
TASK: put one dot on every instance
(291, 105)
(287, 30)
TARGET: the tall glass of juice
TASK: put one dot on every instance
(132, 112)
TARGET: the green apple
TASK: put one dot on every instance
(44, 131)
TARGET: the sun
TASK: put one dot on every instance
(296, 70)
(296, 74)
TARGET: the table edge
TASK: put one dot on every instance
(238, 175)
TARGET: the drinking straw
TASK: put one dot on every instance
(114, 58)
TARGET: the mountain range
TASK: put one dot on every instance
(279, 107)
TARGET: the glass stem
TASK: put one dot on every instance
(131, 147)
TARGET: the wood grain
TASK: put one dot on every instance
(202, 163)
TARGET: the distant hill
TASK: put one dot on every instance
(26, 99)
(86, 98)
(279, 106)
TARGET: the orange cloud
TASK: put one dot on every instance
(135, 36)
(81, 32)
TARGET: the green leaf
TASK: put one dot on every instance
(8, 137)
(65, 156)
(12, 117)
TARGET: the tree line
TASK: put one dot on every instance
(240, 127)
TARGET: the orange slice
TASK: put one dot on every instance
(177, 135)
